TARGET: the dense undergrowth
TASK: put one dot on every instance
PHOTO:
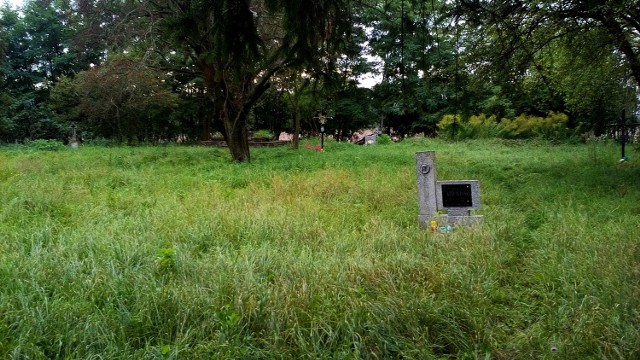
(175, 252)
(553, 127)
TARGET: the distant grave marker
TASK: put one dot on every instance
(371, 139)
(457, 197)
(74, 140)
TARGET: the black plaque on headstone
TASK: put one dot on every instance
(456, 195)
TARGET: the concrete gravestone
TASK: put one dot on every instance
(73, 142)
(457, 197)
(370, 139)
(426, 173)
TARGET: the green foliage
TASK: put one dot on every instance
(167, 260)
(100, 142)
(450, 125)
(122, 99)
(435, 58)
(498, 104)
(597, 89)
(64, 101)
(263, 134)
(272, 112)
(46, 145)
(583, 60)
(551, 127)
(384, 139)
(239, 52)
(421, 79)
(39, 44)
(352, 109)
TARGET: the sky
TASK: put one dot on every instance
(369, 80)
(14, 3)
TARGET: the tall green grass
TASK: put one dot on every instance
(175, 252)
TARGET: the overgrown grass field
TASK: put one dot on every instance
(175, 252)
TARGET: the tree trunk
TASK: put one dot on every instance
(205, 133)
(237, 139)
(296, 129)
(232, 113)
(233, 96)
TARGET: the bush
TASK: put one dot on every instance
(551, 127)
(450, 125)
(46, 145)
(263, 134)
(554, 127)
(384, 139)
(484, 127)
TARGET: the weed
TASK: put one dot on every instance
(46, 145)
(167, 260)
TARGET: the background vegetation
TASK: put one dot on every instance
(142, 72)
(176, 252)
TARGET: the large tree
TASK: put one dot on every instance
(518, 30)
(39, 44)
(120, 99)
(415, 43)
(238, 45)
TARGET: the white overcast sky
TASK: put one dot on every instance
(13, 3)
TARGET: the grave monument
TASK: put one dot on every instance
(457, 197)
(73, 142)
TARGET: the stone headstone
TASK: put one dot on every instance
(284, 136)
(457, 197)
(74, 140)
(370, 139)
(426, 174)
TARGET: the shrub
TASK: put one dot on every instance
(521, 127)
(450, 125)
(384, 139)
(263, 134)
(554, 127)
(484, 127)
(46, 145)
(551, 127)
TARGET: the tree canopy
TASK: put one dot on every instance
(168, 69)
